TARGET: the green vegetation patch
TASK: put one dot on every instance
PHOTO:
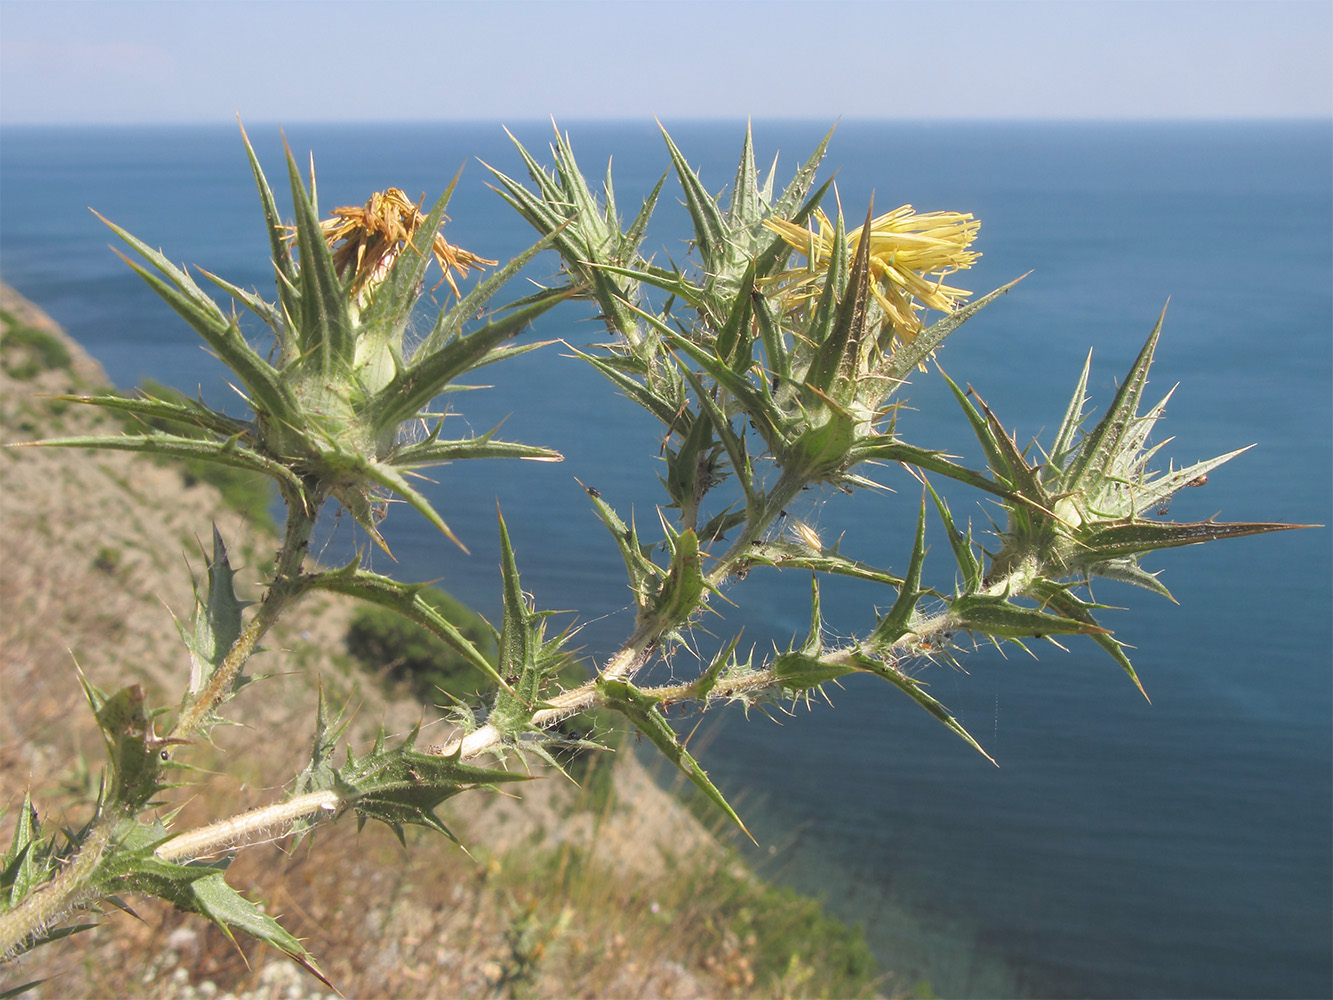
(752, 938)
(790, 942)
(26, 352)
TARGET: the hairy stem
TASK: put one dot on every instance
(53, 901)
(624, 664)
(784, 491)
(260, 825)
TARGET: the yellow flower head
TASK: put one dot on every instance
(367, 239)
(910, 255)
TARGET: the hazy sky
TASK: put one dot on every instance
(286, 60)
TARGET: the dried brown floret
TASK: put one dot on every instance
(366, 240)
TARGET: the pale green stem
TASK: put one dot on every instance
(269, 823)
(784, 491)
(258, 826)
(757, 680)
(624, 664)
(52, 902)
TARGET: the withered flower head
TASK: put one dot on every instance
(367, 240)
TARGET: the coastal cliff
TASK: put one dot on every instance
(612, 889)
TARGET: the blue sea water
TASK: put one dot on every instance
(1121, 848)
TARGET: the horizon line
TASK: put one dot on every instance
(701, 119)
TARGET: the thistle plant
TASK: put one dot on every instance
(775, 360)
(340, 413)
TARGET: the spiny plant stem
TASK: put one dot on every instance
(48, 904)
(632, 656)
(268, 823)
(261, 825)
(53, 901)
(784, 491)
(624, 664)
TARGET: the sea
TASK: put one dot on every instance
(1118, 847)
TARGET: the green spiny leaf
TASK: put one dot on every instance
(326, 326)
(386, 475)
(662, 406)
(148, 407)
(1102, 442)
(898, 365)
(1073, 419)
(641, 709)
(1016, 470)
(913, 689)
(802, 669)
(896, 623)
(678, 598)
(426, 453)
(800, 672)
(265, 389)
(413, 388)
(1153, 492)
(231, 452)
(635, 233)
(733, 340)
(1069, 605)
(719, 524)
(710, 229)
(518, 643)
(1120, 539)
(25, 864)
(786, 205)
(198, 888)
(985, 434)
(751, 399)
(784, 554)
(724, 659)
(961, 544)
(320, 773)
(131, 746)
(734, 445)
(687, 478)
(527, 660)
(277, 233)
(824, 317)
(1128, 570)
(450, 323)
(744, 208)
(997, 617)
(406, 600)
(638, 566)
(217, 618)
(836, 367)
(399, 786)
(586, 239)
